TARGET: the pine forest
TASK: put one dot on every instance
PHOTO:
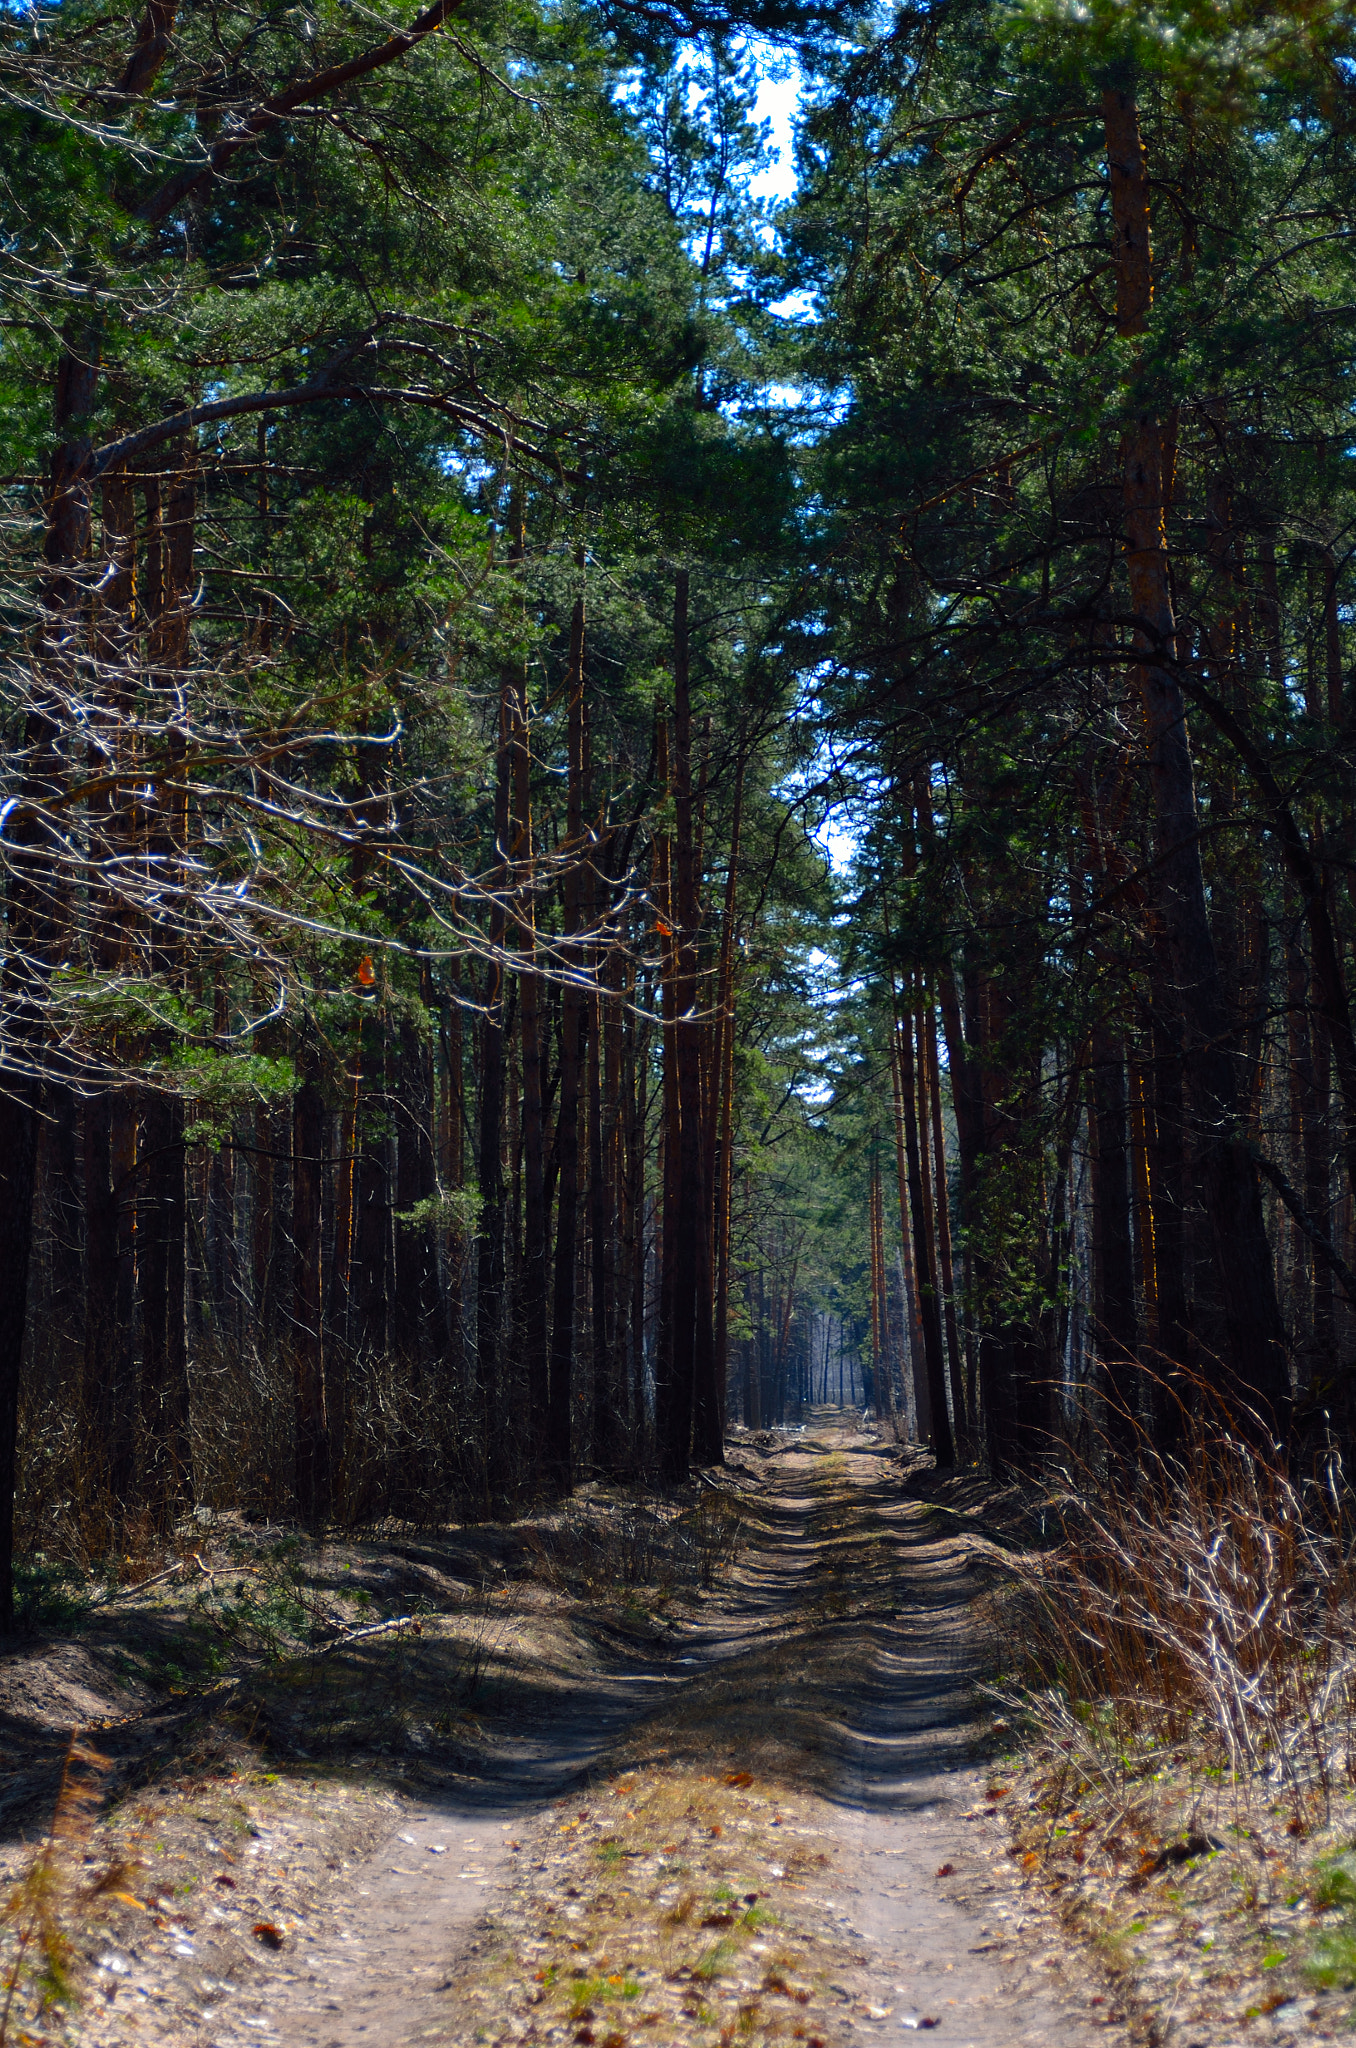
(678, 806)
(629, 805)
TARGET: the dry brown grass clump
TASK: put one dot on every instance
(1183, 1661)
(1206, 1610)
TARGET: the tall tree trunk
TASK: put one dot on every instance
(1113, 1268)
(572, 1025)
(607, 1419)
(672, 1399)
(963, 1419)
(637, 1069)
(1255, 1376)
(101, 1276)
(374, 1207)
(490, 1273)
(536, 1335)
(1172, 1392)
(1142, 1197)
(929, 1308)
(694, 1360)
(167, 1479)
(345, 1197)
(312, 1421)
(110, 1142)
(882, 1387)
(720, 1148)
(415, 1296)
(32, 919)
(908, 1263)
(453, 1168)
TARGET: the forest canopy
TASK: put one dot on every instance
(468, 553)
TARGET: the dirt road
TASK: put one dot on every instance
(826, 1692)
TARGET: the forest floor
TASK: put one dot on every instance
(703, 1771)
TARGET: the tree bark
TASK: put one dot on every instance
(32, 917)
(1113, 1267)
(490, 1273)
(1255, 1378)
(721, 1145)
(964, 1421)
(312, 1420)
(560, 1453)
(672, 1401)
(929, 1308)
(694, 1335)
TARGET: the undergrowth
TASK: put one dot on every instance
(1203, 1614)
(1179, 1670)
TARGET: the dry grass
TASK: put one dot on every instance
(1182, 1664)
(1208, 1610)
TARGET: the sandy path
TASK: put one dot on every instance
(947, 1948)
(373, 1972)
(846, 1631)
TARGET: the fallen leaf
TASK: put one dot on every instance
(947, 1870)
(268, 1934)
(128, 1900)
(739, 1777)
